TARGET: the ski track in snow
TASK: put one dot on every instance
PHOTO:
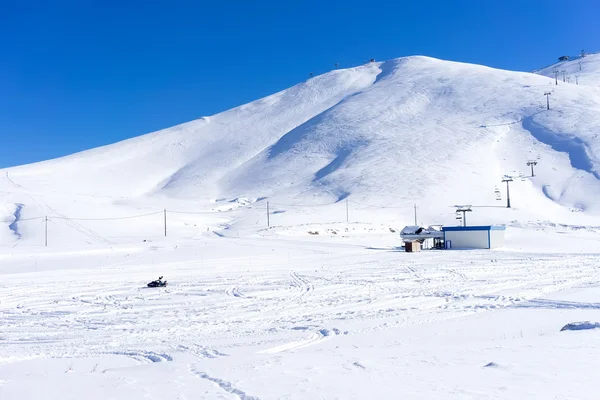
(234, 291)
(144, 356)
(223, 384)
(66, 312)
(302, 282)
(320, 336)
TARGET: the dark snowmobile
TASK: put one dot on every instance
(158, 283)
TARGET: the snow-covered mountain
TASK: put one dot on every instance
(409, 130)
(321, 304)
(583, 69)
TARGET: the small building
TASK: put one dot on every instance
(473, 237)
(563, 58)
(412, 247)
(430, 237)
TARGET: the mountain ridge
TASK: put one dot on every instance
(411, 129)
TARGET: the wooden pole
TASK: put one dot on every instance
(347, 217)
(415, 214)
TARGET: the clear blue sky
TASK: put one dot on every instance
(79, 74)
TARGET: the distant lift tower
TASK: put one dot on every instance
(507, 179)
(532, 164)
(547, 94)
(464, 210)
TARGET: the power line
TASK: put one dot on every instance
(164, 211)
(20, 219)
(105, 219)
(199, 212)
(303, 205)
(380, 206)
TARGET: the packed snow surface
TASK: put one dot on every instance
(336, 317)
(277, 227)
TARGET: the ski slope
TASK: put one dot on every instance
(277, 226)
(405, 131)
(580, 70)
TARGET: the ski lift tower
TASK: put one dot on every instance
(464, 210)
(507, 179)
(532, 163)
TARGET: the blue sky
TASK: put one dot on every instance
(80, 74)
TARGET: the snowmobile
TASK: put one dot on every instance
(158, 283)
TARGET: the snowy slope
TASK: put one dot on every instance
(410, 130)
(577, 70)
(194, 154)
(321, 304)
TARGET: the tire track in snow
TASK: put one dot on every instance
(223, 384)
(69, 222)
(144, 356)
(412, 271)
(201, 351)
(13, 183)
(234, 291)
(305, 285)
(80, 228)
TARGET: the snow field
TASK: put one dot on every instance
(284, 317)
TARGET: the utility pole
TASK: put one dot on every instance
(577, 79)
(507, 179)
(555, 76)
(165, 212)
(532, 164)
(268, 217)
(46, 231)
(415, 214)
(579, 66)
(547, 94)
(564, 75)
(347, 219)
